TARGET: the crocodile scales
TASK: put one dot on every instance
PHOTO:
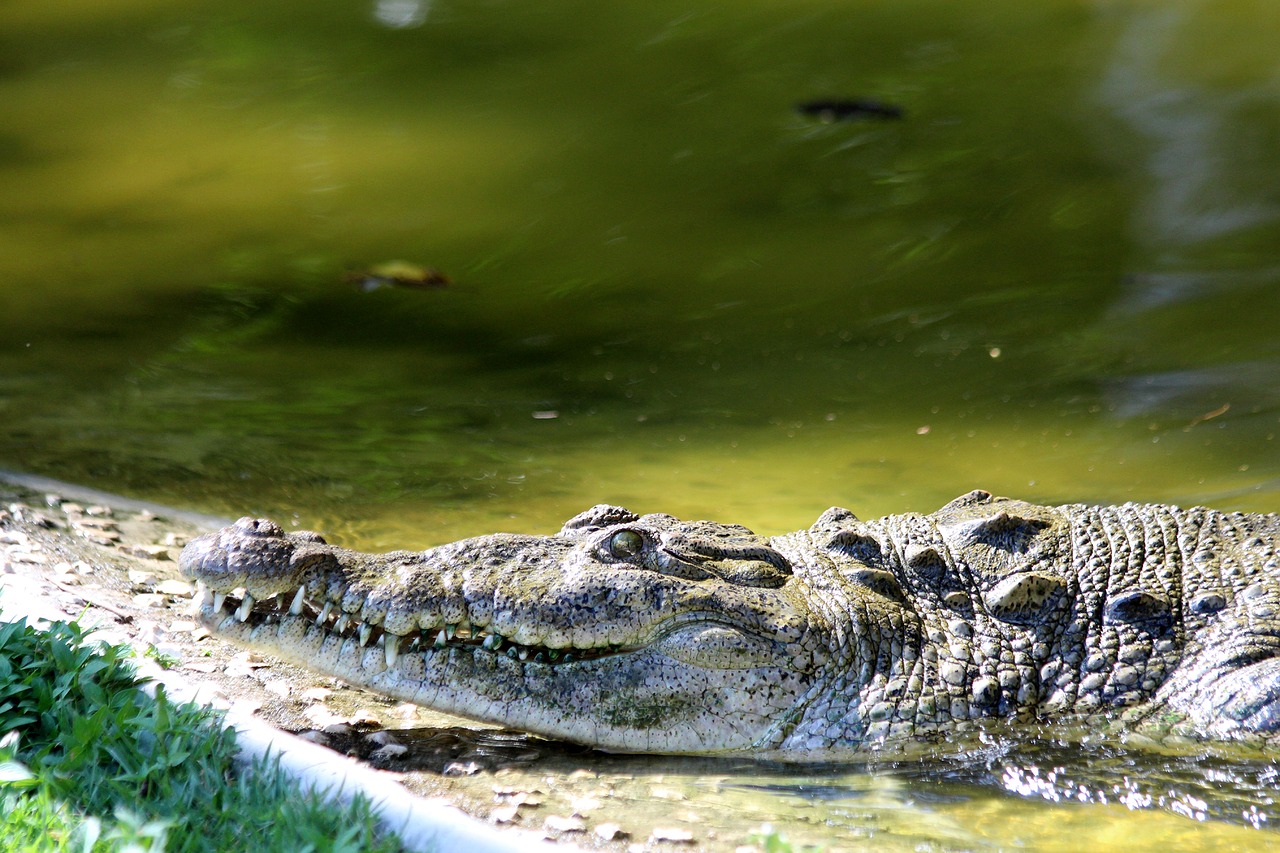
(645, 633)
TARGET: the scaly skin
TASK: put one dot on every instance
(649, 634)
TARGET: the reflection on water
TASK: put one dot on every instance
(1043, 790)
(1052, 275)
(400, 14)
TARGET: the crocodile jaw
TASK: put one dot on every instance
(688, 680)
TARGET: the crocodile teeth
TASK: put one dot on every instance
(449, 631)
(440, 640)
(245, 608)
(324, 613)
(392, 648)
(219, 598)
(296, 607)
(492, 641)
(200, 598)
(341, 625)
(365, 632)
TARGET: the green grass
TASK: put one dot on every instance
(90, 763)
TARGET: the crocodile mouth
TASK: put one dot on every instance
(220, 610)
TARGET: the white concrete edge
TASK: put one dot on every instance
(420, 824)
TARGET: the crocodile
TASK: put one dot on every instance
(645, 633)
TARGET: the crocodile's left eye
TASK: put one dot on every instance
(625, 543)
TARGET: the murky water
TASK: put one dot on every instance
(1054, 275)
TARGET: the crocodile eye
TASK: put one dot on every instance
(625, 543)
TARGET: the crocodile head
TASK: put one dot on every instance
(629, 633)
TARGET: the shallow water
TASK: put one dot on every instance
(1054, 276)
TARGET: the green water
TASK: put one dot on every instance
(1054, 277)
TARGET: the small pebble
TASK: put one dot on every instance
(174, 587)
(388, 752)
(324, 719)
(504, 814)
(97, 524)
(139, 578)
(671, 833)
(382, 737)
(556, 823)
(146, 552)
(364, 718)
(460, 768)
(279, 687)
(609, 832)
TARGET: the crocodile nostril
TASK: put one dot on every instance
(259, 527)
